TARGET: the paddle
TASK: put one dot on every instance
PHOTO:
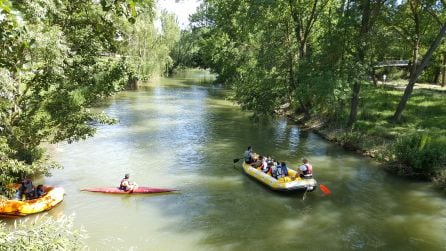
(305, 193)
(325, 189)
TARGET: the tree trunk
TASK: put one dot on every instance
(443, 71)
(132, 83)
(303, 27)
(418, 70)
(436, 76)
(374, 79)
(354, 104)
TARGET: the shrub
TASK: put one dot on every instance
(425, 154)
(44, 233)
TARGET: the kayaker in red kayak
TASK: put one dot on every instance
(126, 184)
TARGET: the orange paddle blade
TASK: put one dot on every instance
(325, 189)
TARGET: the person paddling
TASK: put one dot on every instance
(306, 170)
(126, 184)
(248, 156)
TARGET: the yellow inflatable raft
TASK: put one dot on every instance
(284, 184)
(53, 196)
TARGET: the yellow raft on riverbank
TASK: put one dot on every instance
(53, 196)
(287, 185)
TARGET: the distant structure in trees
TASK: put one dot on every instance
(395, 63)
(387, 63)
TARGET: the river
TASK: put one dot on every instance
(178, 133)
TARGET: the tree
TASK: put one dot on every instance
(418, 70)
(369, 10)
(435, 11)
(55, 64)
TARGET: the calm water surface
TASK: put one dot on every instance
(179, 134)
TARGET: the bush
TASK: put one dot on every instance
(44, 233)
(425, 154)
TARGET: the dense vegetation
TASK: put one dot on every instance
(320, 58)
(58, 59)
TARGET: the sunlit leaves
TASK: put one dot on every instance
(42, 233)
(57, 59)
(147, 48)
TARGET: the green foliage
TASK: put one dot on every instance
(314, 52)
(14, 170)
(425, 153)
(147, 48)
(185, 53)
(43, 233)
(50, 75)
(58, 59)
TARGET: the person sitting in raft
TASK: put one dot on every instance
(126, 184)
(278, 171)
(248, 156)
(275, 170)
(306, 170)
(26, 188)
(262, 164)
(39, 192)
(269, 167)
(258, 162)
(284, 169)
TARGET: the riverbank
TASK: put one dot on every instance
(338, 135)
(375, 136)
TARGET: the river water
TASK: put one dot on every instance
(177, 133)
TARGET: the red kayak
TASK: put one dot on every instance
(137, 190)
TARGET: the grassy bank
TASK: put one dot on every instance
(415, 147)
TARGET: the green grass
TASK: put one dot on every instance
(376, 135)
(425, 110)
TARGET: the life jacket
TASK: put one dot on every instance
(264, 166)
(121, 186)
(309, 171)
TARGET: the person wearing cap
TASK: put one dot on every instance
(126, 184)
(306, 170)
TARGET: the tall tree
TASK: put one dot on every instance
(369, 10)
(54, 66)
(147, 47)
(418, 70)
(305, 14)
(433, 12)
